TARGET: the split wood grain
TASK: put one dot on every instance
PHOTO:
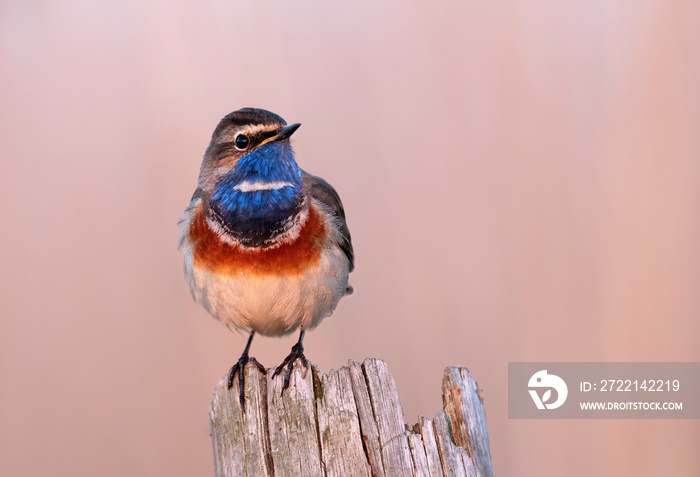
(348, 422)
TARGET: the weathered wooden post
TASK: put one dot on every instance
(346, 423)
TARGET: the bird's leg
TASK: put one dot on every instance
(240, 368)
(296, 353)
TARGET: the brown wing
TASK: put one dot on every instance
(184, 220)
(197, 194)
(325, 193)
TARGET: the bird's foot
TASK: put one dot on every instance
(296, 353)
(239, 368)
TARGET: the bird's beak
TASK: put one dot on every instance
(283, 134)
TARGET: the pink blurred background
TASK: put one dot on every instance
(521, 181)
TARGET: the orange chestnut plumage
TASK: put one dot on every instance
(288, 258)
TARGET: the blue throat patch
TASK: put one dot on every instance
(255, 217)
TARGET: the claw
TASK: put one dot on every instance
(239, 368)
(296, 353)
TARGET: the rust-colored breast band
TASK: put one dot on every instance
(293, 258)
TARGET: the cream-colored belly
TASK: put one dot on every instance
(271, 305)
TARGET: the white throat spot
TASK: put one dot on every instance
(247, 186)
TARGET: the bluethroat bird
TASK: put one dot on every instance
(267, 249)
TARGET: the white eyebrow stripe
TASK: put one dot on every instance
(256, 128)
(247, 186)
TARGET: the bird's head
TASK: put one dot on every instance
(250, 181)
(252, 145)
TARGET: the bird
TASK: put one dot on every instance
(267, 249)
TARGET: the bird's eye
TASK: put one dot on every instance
(242, 141)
